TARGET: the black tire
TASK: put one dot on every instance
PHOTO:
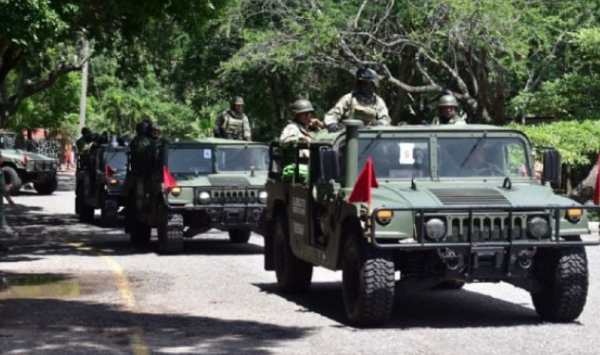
(239, 236)
(78, 199)
(139, 232)
(170, 235)
(47, 187)
(367, 284)
(450, 285)
(109, 212)
(86, 213)
(293, 275)
(563, 274)
(12, 177)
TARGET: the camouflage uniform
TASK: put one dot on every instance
(137, 149)
(295, 132)
(353, 106)
(456, 119)
(232, 125)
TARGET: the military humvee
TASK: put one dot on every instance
(101, 184)
(21, 167)
(453, 205)
(194, 186)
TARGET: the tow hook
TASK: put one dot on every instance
(451, 258)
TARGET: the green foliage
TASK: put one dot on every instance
(577, 141)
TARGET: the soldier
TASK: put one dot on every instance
(138, 146)
(84, 145)
(300, 129)
(447, 105)
(362, 104)
(233, 123)
(5, 195)
(81, 142)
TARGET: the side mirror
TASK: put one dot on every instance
(330, 169)
(552, 171)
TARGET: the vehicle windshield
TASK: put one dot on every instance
(482, 157)
(194, 160)
(396, 158)
(116, 159)
(242, 158)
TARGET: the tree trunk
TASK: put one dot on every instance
(277, 111)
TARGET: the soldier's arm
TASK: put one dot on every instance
(338, 111)
(382, 112)
(218, 128)
(246, 128)
(291, 134)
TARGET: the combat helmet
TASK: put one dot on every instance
(447, 100)
(302, 105)
(237, 100)
(367, 75)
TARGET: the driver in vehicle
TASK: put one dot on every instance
(478, 164)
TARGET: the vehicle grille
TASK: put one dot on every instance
(486, 228)
(470, 197)
(234, 196)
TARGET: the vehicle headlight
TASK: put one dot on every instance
(113, 182)
(573, 215)
(384, 217)
(538, 227)
(435, 229)
(204, 197)
(262, 197)
(176, 191)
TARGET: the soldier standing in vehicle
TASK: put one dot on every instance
(447, 106)
(301, 128)
(362, 104)
(233, 123)
(5, 195)
(138, 145)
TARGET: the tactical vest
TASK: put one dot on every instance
(233, 126)
(366, 114)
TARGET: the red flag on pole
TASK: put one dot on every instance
(597, 187)
(366, 180)
(168, 179)
(109, 170)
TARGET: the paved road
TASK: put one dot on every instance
(72, 288)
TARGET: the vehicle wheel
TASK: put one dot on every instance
(12, 177)
(563, 274)
(239, 236)
(139, 232)
(293, 275)
(86, 213)
(367, 284)
(450, 285)
(109, 212)
(170, 235)
(47, 187)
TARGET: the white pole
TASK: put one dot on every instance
(84, 83)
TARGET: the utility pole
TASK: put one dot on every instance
(84, 81)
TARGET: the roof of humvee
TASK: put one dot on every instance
(216, 141)
(324, 136)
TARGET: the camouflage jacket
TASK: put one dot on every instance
(456, 119)
(350, 106)
(233, 126)
(295, 132)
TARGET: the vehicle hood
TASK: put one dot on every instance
(20, 154)
(214, 180)
(448, 195)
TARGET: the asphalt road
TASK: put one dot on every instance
(71, 288)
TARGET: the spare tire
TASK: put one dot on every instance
(11, 177)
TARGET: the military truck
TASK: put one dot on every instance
(433, 207)
(196, 185)
(100, 183)
(21, 167)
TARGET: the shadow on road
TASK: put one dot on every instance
(425, 309)
(70, 327)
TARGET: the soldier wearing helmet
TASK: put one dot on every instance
(233, 123)
(301, 128)
(362, 104)
(447, 106)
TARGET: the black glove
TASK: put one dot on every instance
(334, 127)
(375, 123)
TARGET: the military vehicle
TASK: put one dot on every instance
(100, 183)
(194, 186)
(21, 167)
(441, 206)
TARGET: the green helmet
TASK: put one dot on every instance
(301, 106)
(237, 100)
(447, 100)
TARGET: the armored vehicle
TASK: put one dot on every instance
(194, 186)
(21, 167)
(101, 183)
(433, 207)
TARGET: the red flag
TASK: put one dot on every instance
(109, 170)
(168, 179)
(597, 187)
(366, 180)
(25, 160)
